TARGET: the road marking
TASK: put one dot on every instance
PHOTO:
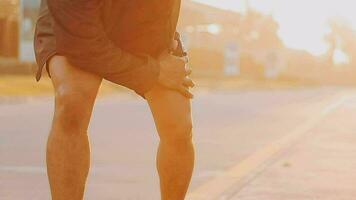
(215, 188)
(335, 105)
(23, 169)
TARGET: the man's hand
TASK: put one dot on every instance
(174, 74)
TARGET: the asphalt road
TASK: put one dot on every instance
(229, 126)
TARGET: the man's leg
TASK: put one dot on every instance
(175, 156)
(68, 152)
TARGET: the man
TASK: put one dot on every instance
(129, 42)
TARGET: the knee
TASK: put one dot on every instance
(72, 110)
(177, 133)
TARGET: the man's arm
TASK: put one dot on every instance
(81, 38)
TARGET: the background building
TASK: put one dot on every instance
(9, 28)
(220, 42)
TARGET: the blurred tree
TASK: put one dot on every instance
(342, 36)
(331, 40)
(259, 31)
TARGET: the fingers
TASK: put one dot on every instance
(185, 92)
(188, 82)
(184, 58)
(188, 71)
(174, 44)
(182, 87)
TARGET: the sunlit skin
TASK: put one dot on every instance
(68, 149)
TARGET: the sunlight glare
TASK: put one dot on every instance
(303, 23)
(340, 57)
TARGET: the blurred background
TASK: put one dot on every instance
(274, 103)
(311, 42)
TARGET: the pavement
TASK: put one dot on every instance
(322, 165)
(251, 145)
(315, 161)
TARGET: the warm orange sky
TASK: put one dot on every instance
(302, 22)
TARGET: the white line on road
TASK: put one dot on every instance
(215, 188)
(335, 105)
(23, 169)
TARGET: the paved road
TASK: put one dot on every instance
(321, 165)
(229, 127)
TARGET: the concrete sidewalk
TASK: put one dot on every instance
(321, 166)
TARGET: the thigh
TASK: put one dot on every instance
(169, 108)
(75, 94)
(71, 80)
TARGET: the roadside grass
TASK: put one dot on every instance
(231, 83)
(26, 85)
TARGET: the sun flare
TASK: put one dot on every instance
(303, 23)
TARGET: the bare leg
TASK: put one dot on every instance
(68, 151)
(175, 156)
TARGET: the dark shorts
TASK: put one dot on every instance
(45, 49)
